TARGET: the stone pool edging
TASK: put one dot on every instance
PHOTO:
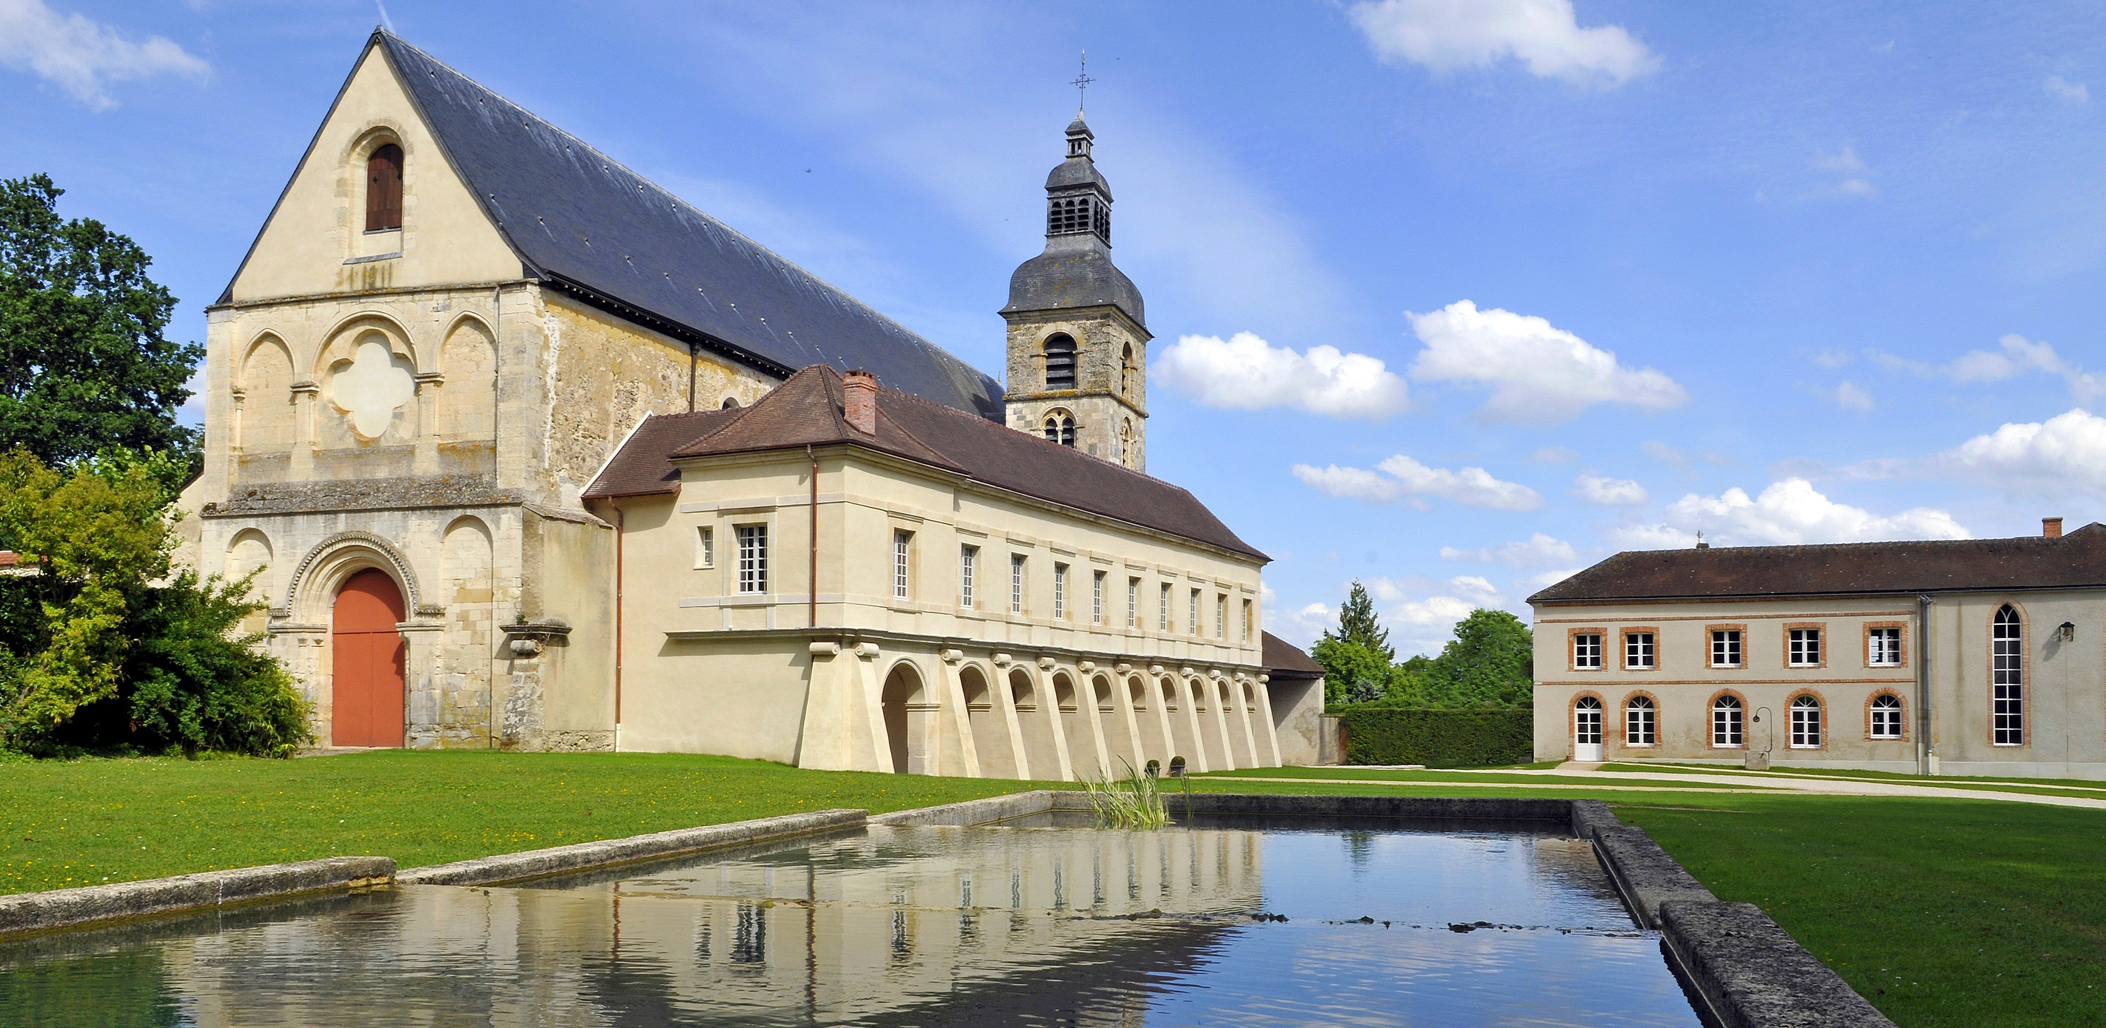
(57, 909)
(584, 856)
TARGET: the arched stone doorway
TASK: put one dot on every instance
(367, 662)
(990, 731)
(906, 719)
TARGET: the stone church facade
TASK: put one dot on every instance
(450, 324)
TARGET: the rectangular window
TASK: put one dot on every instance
(753, 558)
(1165, 613)
(902, 546)
(1060, 591)
(705, 547)
(1883, 647)
(1133, 603)
(1192, 612)
(1016, 583)
(1221, 617)
(1249, 618)
(1725, 648)
(1638, 650)
(1586, 651)
(1805, 649)
(968, 568)
(1097, 598)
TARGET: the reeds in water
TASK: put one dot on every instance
(1129, 802)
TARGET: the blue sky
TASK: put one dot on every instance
(1450, 297)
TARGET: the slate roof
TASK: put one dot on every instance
(1284, 659)
(580, 220)
(806, 410)
(2074, 560)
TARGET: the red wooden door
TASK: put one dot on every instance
(367, 669)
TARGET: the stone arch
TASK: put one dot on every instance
(367, 373)
(248, 551)
(984, 717)
(1037, 720)
(1234, 745)
(1074, 722)
(463, 672)
(263, 418)
(1058, 426)
(361, 150)
(468, 362)
(318, 575)
(1060, 353)
(1111, 727)
(1178, 714)
(1149, 720)
(907, 715)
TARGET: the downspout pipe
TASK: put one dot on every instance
(618, 568)
(811, 588)
(1927, 754)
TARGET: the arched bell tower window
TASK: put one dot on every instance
(1126, 442)
(1126, 371)
(384, 189)
(1060, 428)
(1060, 362)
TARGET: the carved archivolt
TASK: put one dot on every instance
(397, 564)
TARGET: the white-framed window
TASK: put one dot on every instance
(1586, 721)
(1192, 612)
(1164, 615)
(1883, 647)
(753, 558)
(1250, 619)
(1016, 583)
(902, 553)
(1097, 598)
(1638, 650)
(705, 547)
(2007, 679)
(1886, 717)
(1586, 651)
(1806, 723)
(1133, 603)
(968, 570)
(1640, 722)
(1805, 647)
(1060, 592)
(1725, 647)
(1221, 616)
(1726, 724)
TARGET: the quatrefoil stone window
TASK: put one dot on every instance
(372, 388)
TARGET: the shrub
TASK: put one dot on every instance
(1439, 738)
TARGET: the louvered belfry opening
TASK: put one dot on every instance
(384, 189)
(1060, 362)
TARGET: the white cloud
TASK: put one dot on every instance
(1557, 455)
(1650, 537)
(1792, 511)
(1850, 397)
(2065, 452)
(1539, 373)
(1301, 626)
(1832, 358)
(1476, 586)
(1443, 35)
(2015, 355)
(1247, 373)
(1856, 179)
(2072, 93)
(1401, 478)
(1679, 459)
(81, 56)
(1609, 492)
(1547, 579)
(1534, 551)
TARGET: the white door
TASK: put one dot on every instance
(1586, 730)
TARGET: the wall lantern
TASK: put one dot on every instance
(2069, 631)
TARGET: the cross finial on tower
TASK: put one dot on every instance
(1082, 84)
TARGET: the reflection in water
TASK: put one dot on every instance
(898, 926)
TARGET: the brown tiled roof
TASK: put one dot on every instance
(806, 410)
(640, 467)
(2028, 562)
(1286, 660)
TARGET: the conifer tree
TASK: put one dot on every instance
(1357, 624)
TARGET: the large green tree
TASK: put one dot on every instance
(84, 363)
(1355, 658)
(1489, 663)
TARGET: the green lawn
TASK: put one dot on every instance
(85, 822)
(1942, 912)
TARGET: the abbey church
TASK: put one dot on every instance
(533, 454)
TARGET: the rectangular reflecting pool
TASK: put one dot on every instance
(1221, 921)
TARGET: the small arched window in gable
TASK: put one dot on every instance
(384, 189)
(1060, 428)
(1060, 362)
(730, 403)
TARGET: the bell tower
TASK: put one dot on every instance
(1078, 336)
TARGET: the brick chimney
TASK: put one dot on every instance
(2051, 527)
(859, 401)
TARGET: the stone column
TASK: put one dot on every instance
(306, 396)
(421, 706)
(955, 752)
(1005, 701)
(1049, 713)
(1122, 701)
(1272, 731)
(1189, 699)
(1212, 684)
(428, 385)
(1244, 710)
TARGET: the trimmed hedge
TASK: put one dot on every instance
(1439, 738)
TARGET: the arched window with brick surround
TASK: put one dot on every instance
(384, 188)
